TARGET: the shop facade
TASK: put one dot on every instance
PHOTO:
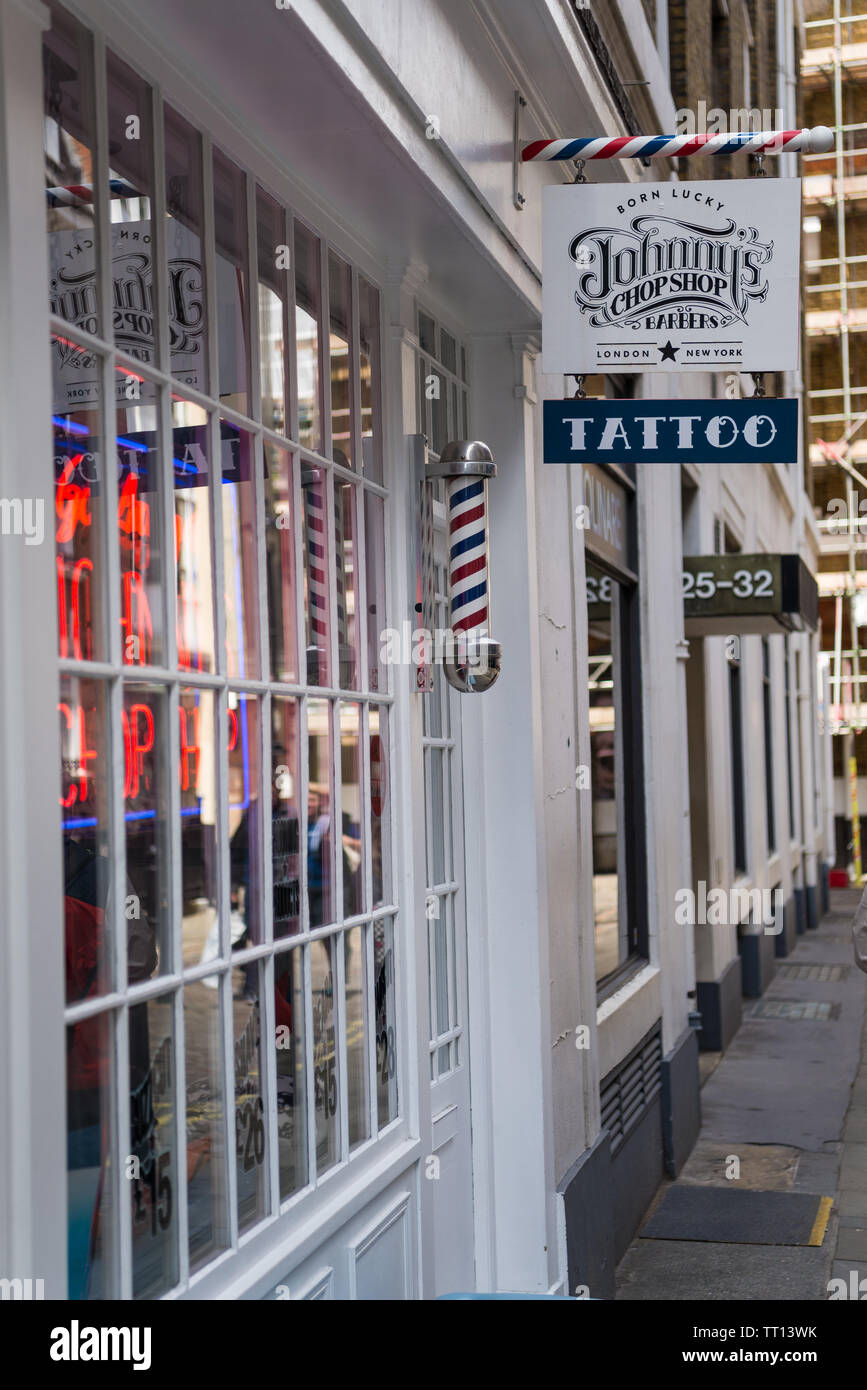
(266, 261)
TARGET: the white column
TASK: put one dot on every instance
(32, 1052)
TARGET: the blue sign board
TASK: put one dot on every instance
(756, 430)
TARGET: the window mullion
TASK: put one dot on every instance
(339, 977)
(180, 1138)
(310, 1088)
(289, 329)
(327, 442)
(370, 1027)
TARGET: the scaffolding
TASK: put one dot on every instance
(834, 87)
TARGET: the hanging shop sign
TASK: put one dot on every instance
(671, 276)
(701, 431)
(725, 594)
(602, 516)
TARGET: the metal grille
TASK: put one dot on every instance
(626, 1092)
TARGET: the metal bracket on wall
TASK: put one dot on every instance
(517, 196)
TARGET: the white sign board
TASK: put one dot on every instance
(671, 276)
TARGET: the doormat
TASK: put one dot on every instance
(739, 1217)
(795, 1010)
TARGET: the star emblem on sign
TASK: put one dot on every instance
(666, 353)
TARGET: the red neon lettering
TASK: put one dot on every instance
(85, 755)
(133, 519)
(135, 749)
(71, 502)
(62, 619)
(233, 730)
(134, 603)
(80, 567)
(188, 748)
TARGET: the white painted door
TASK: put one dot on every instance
(449, 1167)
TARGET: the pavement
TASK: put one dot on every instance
(788, 1101)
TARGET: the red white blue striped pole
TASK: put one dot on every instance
(818, 140)
(474, 662)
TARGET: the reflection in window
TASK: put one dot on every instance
(138, 525)
(232, 274)
(186, 271)
(323, 969)
(345, 580)
(603, 611)
(90, 1084)
(380, 842)
(69, 139)
(374, 561)
(307, 312)
(339, 298)
(131, 181)
(245, 820)
(291, 1088)
(154, 1184)
(250, 1146)
(280, 547)
(84, 783)
(145, 789)
(317, 616)
(285, 816)
(207, 1195)
(355, 975)
(319, 803)
(199, 876)
(369, 377)
(272, 254)
(193, 538)
(240, 565)
(386, 1020)
(78, 506)
(350, 809)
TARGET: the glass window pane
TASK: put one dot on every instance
(602, 595)
(350, 809)
(427, 333)
(291, 1087)
(193, 538)
(90, 1085)
(355, 975)
(285, 823)
(249, 1105)
(379, 822)
(345, 583)
(386, 1021)
(69, 140)
(185, 204)
(131, 185)
(374, 569)
(78, 505)
(147, 901)
(273, 262)
(245, 820)
(436, 392)
(240, 566)
(207, 1179)
(199, 869)
(438, 813)
(84, 783)
(308, 312)
(230, 228)
(280, 544)
(371, 380)
(154, 1192)
(323, 972)
(448, 351)
(139, 529)
(317, 611)
(320, 797)
(339, 301)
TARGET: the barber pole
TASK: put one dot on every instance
(474, 663)
(816, 141)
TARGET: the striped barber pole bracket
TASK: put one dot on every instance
(468, 554)
(317, 562)
(73, 194)
(818, 140)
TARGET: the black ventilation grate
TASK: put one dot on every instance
(627, 1091)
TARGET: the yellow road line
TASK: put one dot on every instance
(820, 1225)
